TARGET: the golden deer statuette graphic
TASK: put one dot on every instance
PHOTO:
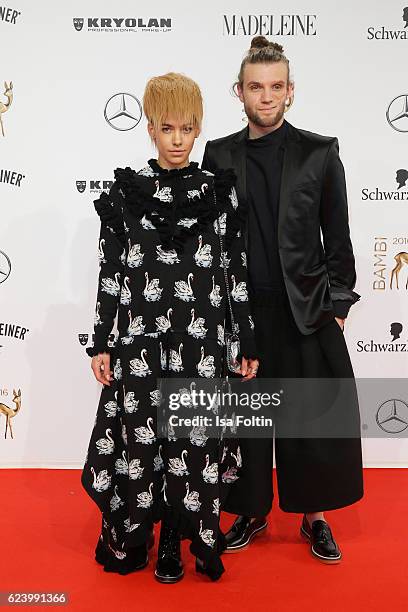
(401, 259)
(11, 412)
(4, 107)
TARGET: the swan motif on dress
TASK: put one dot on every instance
(135, 470)
(146, 171)
(220, 224)
(237, 457)
(140, 367)
(163, 194)
(164, 488)
(163, 359)
(111, 286)
(122, 258)
(251, 322)
(97, 317)
(216, 506)
(146, 223)
(187, 221)
(115, 501)
(135, 256)
(183, 289)
(195, 193)
(117, 370)
(224, 260)
(202, 256)
(239, 291)
(136, 326)
(168, 257)
(111, 407)
(158, 463)
(244, 259)
(196, 326)
(101, 254)
(206, 365)
(178, 466)
(130, 527)
(234, 198)
(121, 465)
(224, 453)
(197, 436)
(130, 403)
(155, 397)
(175, 360)
(105, 446)
(145, 435)
(187, 395)
(191, 499)
(124, 434)
(102, 481)
(230, 475)
(125, 294)
(206, 535)
(210, 472)
(215, 297)
(171, 434)
(145, 499)
(220, 335)
(152, 291)
(163, 323)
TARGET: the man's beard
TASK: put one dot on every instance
(265, 123)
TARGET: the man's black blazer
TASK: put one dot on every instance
(313, 231)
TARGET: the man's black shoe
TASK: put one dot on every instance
(242, 532)
(322, 544)
(169, 568)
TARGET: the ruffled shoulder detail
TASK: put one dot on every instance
(109, 209)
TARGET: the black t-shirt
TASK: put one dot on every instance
(264, 169)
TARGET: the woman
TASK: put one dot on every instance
(162, 272)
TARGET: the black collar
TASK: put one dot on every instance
(190, 169)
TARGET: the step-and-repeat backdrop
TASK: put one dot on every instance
(72, 77)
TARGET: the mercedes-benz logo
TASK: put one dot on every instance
(392, 416)
(5, 267)
(123, 111)
(397, 113)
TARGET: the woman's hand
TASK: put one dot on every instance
(248, 369)
(100, 366)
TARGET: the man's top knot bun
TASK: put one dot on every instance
(260, 42)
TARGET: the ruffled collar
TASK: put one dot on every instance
(190, 169)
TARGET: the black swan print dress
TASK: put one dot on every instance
(161, 274)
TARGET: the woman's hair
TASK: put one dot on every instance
(262, 52)
(173, 94)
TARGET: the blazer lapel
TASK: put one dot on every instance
(238, 163)
(292, 161)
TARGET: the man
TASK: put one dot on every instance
(301, 277)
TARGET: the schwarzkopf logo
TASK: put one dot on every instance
(397, 113)
(269, 25)
(124, 24)
(94, 186)
(391, 346)
(375, 33)
(392, 416)
(400, 194)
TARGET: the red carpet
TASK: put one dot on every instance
(49, 528)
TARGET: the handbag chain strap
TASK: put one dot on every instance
(224, 267)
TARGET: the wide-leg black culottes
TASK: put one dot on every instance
(313, 474)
